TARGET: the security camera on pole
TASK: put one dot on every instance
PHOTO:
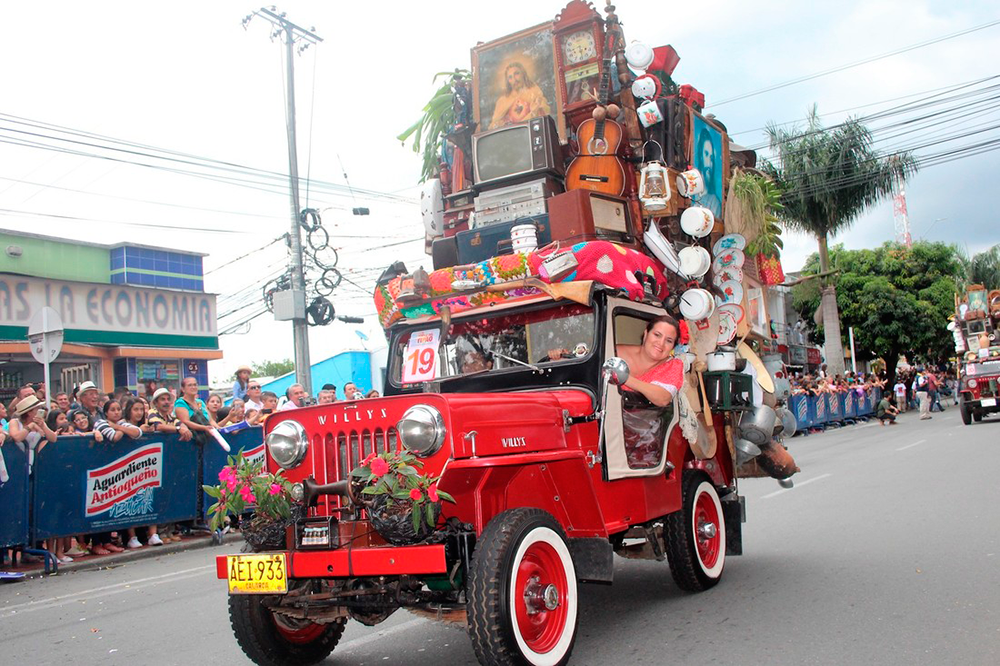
(45, 338)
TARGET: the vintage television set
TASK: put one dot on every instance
(524, 150)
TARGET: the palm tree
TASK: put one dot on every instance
(983, 268)
(830, 176)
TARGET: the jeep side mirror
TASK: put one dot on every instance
(616, 370)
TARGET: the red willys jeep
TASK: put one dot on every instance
(549, 476)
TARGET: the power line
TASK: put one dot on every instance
(858, 63)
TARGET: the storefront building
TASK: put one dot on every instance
(130, 313)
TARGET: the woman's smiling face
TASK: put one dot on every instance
(659, 341)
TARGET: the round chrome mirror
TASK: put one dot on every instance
(616, 370)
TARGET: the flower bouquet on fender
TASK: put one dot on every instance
(243, 486)
(402, 503)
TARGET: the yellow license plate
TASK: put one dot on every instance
(257, 574)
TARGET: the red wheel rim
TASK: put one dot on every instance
(307, 633)
(540, 580)
(705, 514)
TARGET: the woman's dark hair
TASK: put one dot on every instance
(127, 405)
(51, 417)
(664, 319)
(107, 405)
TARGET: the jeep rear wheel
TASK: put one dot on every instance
(695, 536)
(272, 640)
(522, 592)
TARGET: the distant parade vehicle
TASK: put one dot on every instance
(578, 236)
(977, 316)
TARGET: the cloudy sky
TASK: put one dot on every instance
(187, 77)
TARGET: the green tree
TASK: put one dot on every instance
(983, 268)
(898, 300)
(829, 177)
(272, 368)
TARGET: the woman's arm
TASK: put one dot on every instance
(184, 416)
(133, 431)
(45, 431)
(17, 431)
(657, 395)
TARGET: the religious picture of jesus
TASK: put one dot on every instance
(514, 79)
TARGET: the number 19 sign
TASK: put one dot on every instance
(420, 357)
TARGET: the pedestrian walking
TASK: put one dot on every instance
(923, 399)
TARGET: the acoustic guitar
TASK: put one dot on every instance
(598, 166)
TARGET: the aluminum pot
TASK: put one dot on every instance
(757, 425)
(722, 359)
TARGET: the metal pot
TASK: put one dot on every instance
(722, 359)
(758, 425)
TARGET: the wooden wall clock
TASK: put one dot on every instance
(579, 42)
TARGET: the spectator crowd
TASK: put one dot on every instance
(120, 414)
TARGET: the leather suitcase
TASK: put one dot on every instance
(480, 244)
(581, 215)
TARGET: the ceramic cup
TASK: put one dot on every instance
(695, 261)
(649, 113)
(697, 221)
(690, 183)
(697, 304)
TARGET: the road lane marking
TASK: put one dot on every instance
(797, 485)
(378, 635)
(910, 446)
(61, 600)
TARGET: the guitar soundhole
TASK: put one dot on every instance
(597, 146)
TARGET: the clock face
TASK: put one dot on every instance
(579, 46)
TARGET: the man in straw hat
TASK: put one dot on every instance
(90, 400)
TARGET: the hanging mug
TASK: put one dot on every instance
(690, 183)
(649, 113)
(697, 221)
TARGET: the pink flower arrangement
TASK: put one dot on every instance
(379, 467)
(395, 475)
(245, 485)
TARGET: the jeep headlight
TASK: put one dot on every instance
(972, 383)
(421, 430)
(287, 443)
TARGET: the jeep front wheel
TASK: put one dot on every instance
(522, 592)
(271, 640)
(695, 536)
(963, 409)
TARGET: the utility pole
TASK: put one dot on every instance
(292, 34)
(901, 219)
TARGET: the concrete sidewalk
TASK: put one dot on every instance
(96, 562)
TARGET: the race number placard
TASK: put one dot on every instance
(420, 356)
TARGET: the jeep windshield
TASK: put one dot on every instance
(502, 343)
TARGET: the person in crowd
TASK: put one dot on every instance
(79, 422)
(3, 416)
(373, 394)
(324, 397)
(236, 413)
(61, 401)
(58, 422)
(934, 389)
(40, 391)
(134, 414)
(150, 386)
(22, 393)
(885, 412)
(472, 360)
(899, 391)
(191, 410)
(90, 399)
(112, 426)
(653, 370)
(242, 383)
(351, 392)
(296, 395)
(332, 388)
(104, 399)
(270, 402)
(920, 388)
(214, 404)
(29, 429)
(252, 399)
(161, 418)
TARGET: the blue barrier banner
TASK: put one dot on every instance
(14, 496)
(822, 411)
(850, 404)
(834, 404)
(81, 486)
(798, 405)
(248, 440)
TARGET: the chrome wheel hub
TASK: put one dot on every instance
(537, 598)
(707, 531)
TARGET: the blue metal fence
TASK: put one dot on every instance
(79, 486)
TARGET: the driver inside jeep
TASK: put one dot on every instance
(655, 375)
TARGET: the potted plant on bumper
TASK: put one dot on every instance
(403, 504)
(244, 485)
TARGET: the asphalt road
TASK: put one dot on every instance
(885, 552)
